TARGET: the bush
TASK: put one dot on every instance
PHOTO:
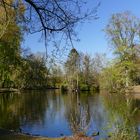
(84, 87)
(64, 87)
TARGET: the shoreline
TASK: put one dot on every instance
(3, 90)
(11, 135)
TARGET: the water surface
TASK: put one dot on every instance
(53, 114)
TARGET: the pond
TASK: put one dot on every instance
(53, 114)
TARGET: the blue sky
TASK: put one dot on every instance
(91, 35)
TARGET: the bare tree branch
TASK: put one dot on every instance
(51, 16)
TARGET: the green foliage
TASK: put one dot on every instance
(34, 72)
(72, 68)
(124, 133)
(119, 75)
(122, 31)
(111, 79)
(9, 54)
(82, 71)
(84, 87)
(64, 87)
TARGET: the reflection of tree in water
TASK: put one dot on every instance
(33, 106)
(77, 114)
(17, 108)
(96, 109)
(79, 119)
(122, 110)
(120, 107)
(9, 111)
(39, 106)
(89, 104)
(28, 108)
(137, 116)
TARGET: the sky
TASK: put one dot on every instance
(91, 35)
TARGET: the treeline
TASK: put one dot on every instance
(24, 70)
(19, 69)
(122, 72)
(82, 71)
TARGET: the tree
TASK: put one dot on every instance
(10, 39)
(87, 74)
(72, 68)
(123, 33)
(34, 72)
(86, 70)
(9, 15)
(99, 62)
(55, 75)
(123, 30)
(52, 16)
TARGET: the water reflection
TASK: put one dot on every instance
(9, 111)
(123, 112)
(52, 113)
(78, 114)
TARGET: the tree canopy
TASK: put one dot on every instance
(123, 34)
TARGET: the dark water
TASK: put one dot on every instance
(53, 114)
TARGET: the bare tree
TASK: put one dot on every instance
(51, 16)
